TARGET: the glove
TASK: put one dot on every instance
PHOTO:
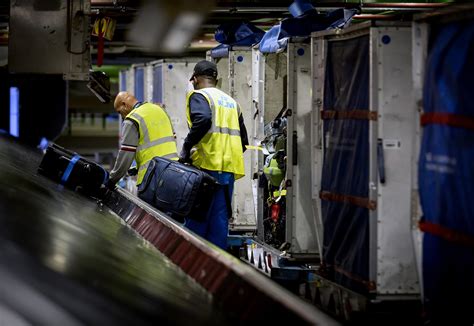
(102, 192)
(184, 156)
(110, 185)
(132, 171)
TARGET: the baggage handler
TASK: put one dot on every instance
(215, 143)
(146, 132)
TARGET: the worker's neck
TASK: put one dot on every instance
(206, 85)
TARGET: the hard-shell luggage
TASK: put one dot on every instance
(177, 189)
(72, 170)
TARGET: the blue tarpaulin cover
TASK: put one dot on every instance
(276, 39)
(220, 51)
(299, 7)
(242, 34)
(346, 164)
(446, 174)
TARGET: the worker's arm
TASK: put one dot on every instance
(243, 132)
(201, 119)
(126, 154)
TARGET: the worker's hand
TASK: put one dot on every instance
(132, 171)
(184, 156)
(110, 185)
(102, 192)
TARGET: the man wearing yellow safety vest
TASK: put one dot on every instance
(215, 143)
(146, 132)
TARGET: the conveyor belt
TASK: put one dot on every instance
(242, 292)
(64, 261)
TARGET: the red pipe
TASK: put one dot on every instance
(384, 5)
(376, 17)
(404, 5)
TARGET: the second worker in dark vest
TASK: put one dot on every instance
(215, 143)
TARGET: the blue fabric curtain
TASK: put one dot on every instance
(446, 175)
(346, 164)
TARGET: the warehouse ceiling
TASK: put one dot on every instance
(124, 48)
(263, 13)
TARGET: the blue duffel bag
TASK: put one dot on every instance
(176, 189)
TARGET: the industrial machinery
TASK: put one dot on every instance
(363, 150)
(60, 46)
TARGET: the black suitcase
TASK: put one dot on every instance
(72, 170)
(177, 189)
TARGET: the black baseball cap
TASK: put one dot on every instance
(205, 68)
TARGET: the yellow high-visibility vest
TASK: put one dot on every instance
(156, 136)
(221, 148)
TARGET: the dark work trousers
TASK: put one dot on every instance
(215, 227)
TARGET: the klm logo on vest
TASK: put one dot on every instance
(222, 101)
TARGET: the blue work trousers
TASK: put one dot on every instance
(215, 227)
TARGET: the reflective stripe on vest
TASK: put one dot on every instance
(155, 136)
(215, 128)
(221, 148)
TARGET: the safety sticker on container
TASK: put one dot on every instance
(391, 144)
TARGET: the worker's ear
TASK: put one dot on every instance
(126, 109)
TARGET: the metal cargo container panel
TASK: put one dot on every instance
(130, 81)
(385, 263)
(173, 76)
(301, 228)
(223, 74)
(123, 80)
(139, 81)
(157, 96)
(240, 80)
(281, 83)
